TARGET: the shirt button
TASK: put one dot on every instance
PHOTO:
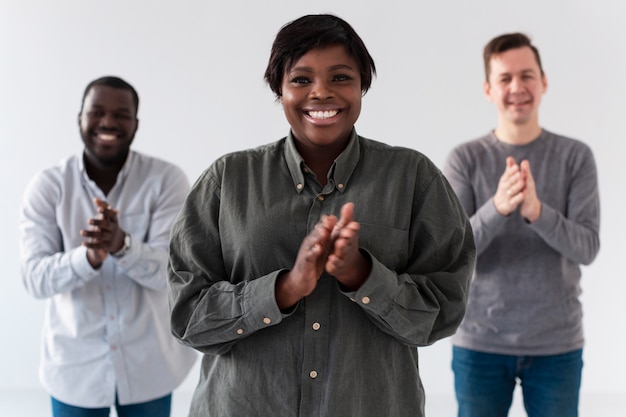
(299, 186)
(316, 326)
(113, 347)
(340, 186)
(313, 374)
(267, 320)
(320, 197)
(239, 331)
(365, 300)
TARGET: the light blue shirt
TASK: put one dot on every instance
(105, 329)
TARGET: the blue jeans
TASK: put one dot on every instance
(484, 383)
(160, 407)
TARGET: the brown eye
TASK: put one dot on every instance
(342, 77)
(299, 80)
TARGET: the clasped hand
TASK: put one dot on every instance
(333, 246)
(516, 188)
(104, 234)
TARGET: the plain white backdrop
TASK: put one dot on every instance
(198, 67)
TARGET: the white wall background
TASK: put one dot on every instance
(198, 67)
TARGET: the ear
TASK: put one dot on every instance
(544, 81)
(487, 90)
(136, 124)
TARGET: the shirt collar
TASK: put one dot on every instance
(341, 170)
(120, 176)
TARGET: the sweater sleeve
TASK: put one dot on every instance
(575, 233)
(485, 221)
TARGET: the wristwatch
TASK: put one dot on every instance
(125, 247)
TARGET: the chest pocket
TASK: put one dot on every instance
(137, 224)
(387, 244)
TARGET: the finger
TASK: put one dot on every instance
(315, 251)
(100, 203)
(328, 222)
(322, 230)
(317, 242)
(347, 240)
(349, 231)
(347, 215)
(334, 264)
(510, 162)
(525, 166)
(103, 225)
(111, 216)
(514, 188)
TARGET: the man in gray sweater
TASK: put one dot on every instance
(532, 197)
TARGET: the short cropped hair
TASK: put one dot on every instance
(113, 82)
(504, 43)
(299, 36)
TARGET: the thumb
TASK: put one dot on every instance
(525, 167)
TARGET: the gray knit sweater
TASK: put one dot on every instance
(524, 297)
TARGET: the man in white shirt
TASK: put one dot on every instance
(94, 234)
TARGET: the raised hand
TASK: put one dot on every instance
(346, 262)
(530, 209)
(302, 279)
(510, 192)
(104, 234)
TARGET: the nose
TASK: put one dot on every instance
(516, 84)
(107, 120)
(321, 90)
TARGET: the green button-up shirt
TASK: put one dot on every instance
(335, 353)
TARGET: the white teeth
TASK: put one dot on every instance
(106, 136)
(323, 114)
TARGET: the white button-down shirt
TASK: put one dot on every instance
(105, 329)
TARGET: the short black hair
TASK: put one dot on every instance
(299, 36)
(113, 82)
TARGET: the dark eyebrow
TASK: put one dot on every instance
(331, 68)
(340, 67)
(302, 69)
(100, 107)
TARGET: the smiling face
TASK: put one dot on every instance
(107, 122)
(321, 98)
(515, 86)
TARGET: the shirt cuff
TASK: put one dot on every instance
(81, 266)
(377, 292)
(259, 303)
(547, 219)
